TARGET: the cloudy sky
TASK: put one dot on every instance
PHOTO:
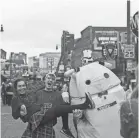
(35, 26)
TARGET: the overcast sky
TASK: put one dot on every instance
(35, 26)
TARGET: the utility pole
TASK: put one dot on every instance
(128, 23)
(51, 65)
(11, 65)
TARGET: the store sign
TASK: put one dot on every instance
(112, 62)
(110, 51)
(129, 51)
(104, 37)
(131, 65)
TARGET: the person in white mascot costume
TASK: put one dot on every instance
(107, 94)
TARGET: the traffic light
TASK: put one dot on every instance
(115, 52)
(123, 37)
(56, 47)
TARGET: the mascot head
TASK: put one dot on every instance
(93, 78)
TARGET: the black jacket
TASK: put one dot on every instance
(31, 107)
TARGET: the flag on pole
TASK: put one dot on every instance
(134, 23)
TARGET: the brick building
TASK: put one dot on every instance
(19, 58)
(94, 38)
(3, 54)
(2, 58)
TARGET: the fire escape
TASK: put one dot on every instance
(67, 45)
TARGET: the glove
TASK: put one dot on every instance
(65, 96)
(23, 110)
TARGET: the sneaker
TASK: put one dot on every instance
(67, 133)
(89, 101)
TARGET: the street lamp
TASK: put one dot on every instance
(56, 47)
(11, 56)
(2, 30)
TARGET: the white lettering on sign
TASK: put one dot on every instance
(107, 38)
(129, 51)
(104, 37)
(113, 38)
(106, 106)
(107, 32)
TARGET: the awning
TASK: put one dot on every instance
(2, 60)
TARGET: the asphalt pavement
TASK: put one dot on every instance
(11, 128)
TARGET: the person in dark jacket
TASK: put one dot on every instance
(129, 114)
(23, 102)
(9, 93)
(54, 96)
(24, 107)
(34, 128)
(3, 93)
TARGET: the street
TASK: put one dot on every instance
(11, 128)
(80, 57)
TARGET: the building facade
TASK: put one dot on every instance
(48, 61)
(19, 58)
(33, 62)
(2, 58)
(3, 54)
(105, 43)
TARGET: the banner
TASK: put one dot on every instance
(134, 24)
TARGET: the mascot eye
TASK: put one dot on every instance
(106, 75)
(88, 82)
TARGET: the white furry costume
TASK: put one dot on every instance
(103, 121)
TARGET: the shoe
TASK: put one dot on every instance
(89, 101)
(67, 133)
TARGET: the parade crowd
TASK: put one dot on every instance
(39, 104)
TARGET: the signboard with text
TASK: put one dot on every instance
(131, 65)
(129, 51)
(104, 37)
(110, 51)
